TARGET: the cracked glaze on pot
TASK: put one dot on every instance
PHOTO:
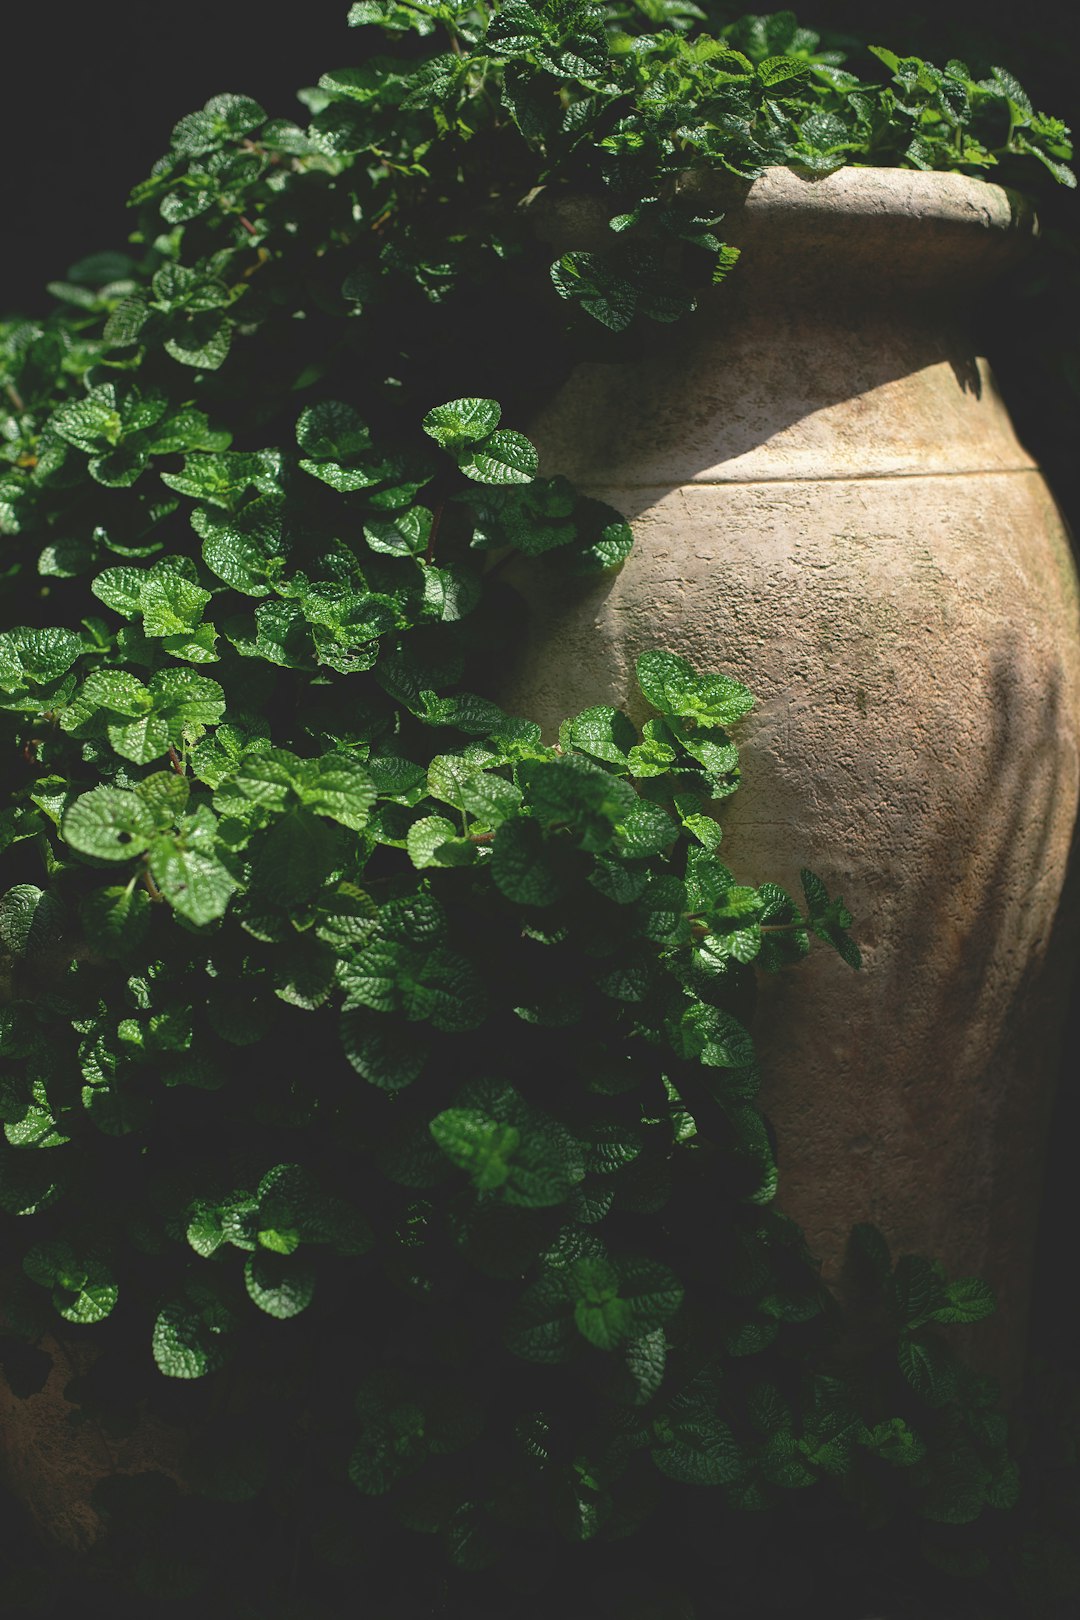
(829, 502)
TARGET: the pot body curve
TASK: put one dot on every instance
(830, 504)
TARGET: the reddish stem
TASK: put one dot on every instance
(436, 519)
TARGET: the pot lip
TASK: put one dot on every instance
(935, 198)
(938, 196)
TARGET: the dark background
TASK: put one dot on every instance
(90, 96)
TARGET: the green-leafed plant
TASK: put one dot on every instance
(377, 1087)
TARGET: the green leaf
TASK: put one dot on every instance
(394, 16)
(188, 701)
(969, 1300)
(604, 733)
(614, 1301)
(91, 1302)
(615, 287)
(434, 841)
(712, 1036)
(110, 824)
(171, 604)
(462, 422)
(502, 458)
(646, 830)
(339, 787)
(697, 1449)
(120, 589)
(281, 636)
(404, 535)
(929, 1367)
(671, 685)
(188, 1338)
(83, 1288)
(280, 1285)
(27, 1184)
(37, 657)
(115, 920)
(332, 431)
(782, 74)
(919, 1288)
(482, 794)
(540, 1326)
(31, 920)
(476, 1143)
(141, 741)
(520, 864)
(248, 549)
(127, 320)
(166, 794)
(386, 1053)
(37, 1126)
(829, 919)
(224, 119)
(197, 886)
(202, 341)
(895, 1443)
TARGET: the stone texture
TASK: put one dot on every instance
(52, 1458)
(829, 503)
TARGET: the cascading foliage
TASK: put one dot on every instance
(373, 1070)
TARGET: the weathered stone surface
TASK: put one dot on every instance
(52, 1457)
(829, 502)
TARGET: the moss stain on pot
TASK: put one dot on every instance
(878, 524)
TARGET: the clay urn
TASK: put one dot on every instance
(829, 503)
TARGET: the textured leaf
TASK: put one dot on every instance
(604, 733)
(519, 864)
(474, 1142)
(671, 685)
(31, 920)
(502, 458)
(166, 795)
(185, 1344)
(969, 1300)
(405, 535)
(203, 340)
(224, 118)
(195, 885)
(339, 787)
(540, 1326)
(646, 830)
(119, 589)
(83, 1289)
(462, 422)
(434, 841)
(141, 741)
(110, 824)
(929, 1367)
(279, 1285)
(247, 550)
(701, 1452)
(37, 657)
(116, 919)
(332, 431)
(386, 1053)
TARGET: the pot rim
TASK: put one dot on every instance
(866, 191)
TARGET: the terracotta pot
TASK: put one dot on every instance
(829, 503)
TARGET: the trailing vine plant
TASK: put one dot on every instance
(377, 1086)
